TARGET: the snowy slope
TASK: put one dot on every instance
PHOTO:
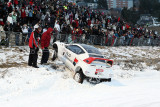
(23, 86)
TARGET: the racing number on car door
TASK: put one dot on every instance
(68, 54)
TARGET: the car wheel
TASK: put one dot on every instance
(54, 55)
(79, 77)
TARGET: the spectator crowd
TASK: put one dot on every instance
(71, 23)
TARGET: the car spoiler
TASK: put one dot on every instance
(91, 59)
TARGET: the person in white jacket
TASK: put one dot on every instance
(1, 30)
(57, 29)
(57, 26)
(10, 19)
(24, 33)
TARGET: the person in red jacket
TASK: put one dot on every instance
(45, 41)
(77, 22)
(15, 3)
(31, 2)
(33, 44)
(23, 16)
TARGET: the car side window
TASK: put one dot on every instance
(75, 49)
(69, 47)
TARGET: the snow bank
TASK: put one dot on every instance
(23, 86)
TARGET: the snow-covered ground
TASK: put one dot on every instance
(23, 86)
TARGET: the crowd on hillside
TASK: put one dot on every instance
(71, 23)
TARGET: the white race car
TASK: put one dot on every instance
(85, 61)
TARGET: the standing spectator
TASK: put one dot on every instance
(33, 44)
(17, 29)
(31, 2)
(122, 40)
(5, 12)
(27, 12)
(24, 33)
(68, 34)
(57, 28)
(76, 15)
(7, 29)
(47, 18)
(52, 20)
(89, 22)
(30, 29)
(42, 19)
(63, 32)
(9, 19)
(9, 4)
(1, 29)
(1, 10)
(77, 22)
(30, 16)
(18, 13)
(23, 16)
(15, 3)
(14, 18)
(71, 17)
(45, 41)
(73, 24)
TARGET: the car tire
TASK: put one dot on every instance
(79, 77)
(54, 55)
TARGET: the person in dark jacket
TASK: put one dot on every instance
(7, 29)
(45, 41)
(30, 29)
(17, 31)
(52, 20)
(33, 44)
(64, 31)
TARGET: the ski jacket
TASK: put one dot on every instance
(16, 2)
(34, 39)
(46, 37)
(23, 13)
(9, 18)
(31, 2)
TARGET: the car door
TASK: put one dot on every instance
(69, 56)
(72, 52)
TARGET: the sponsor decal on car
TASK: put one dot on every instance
(75, 61)
(68, 54)
(99, 71)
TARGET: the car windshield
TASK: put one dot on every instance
(75, 49)
(91, 49)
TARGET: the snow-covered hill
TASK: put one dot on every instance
(53, 86)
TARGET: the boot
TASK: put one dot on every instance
(36, 66)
